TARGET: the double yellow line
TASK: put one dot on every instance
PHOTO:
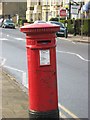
(67, 111)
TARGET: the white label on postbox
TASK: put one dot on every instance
(44, 57)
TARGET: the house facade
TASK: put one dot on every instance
(36, 9)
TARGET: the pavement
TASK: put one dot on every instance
(14, 99)
(78, 38)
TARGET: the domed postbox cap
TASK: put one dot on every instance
(40, 28)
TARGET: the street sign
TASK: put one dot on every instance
(74, 9)
(63, 12)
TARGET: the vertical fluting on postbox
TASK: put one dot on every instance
(42, 72)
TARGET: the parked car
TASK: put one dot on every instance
(8, 24)
(63, 31)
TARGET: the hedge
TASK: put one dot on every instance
(83, 26)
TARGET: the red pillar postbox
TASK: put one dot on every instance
(42, 75)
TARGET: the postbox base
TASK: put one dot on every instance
(34, 115)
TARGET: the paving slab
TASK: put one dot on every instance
(79, 38)
(14, 100)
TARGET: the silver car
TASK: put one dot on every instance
(8, 24)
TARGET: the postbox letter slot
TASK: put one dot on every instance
(44, 42)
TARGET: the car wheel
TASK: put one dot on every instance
(4, 26)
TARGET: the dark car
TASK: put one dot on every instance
(63, 31)
(8, 24)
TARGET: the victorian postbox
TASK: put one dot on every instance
(42, 73)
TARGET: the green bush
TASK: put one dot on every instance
(70, 27)
(83, 26)
(22, 21)
(89, 27)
